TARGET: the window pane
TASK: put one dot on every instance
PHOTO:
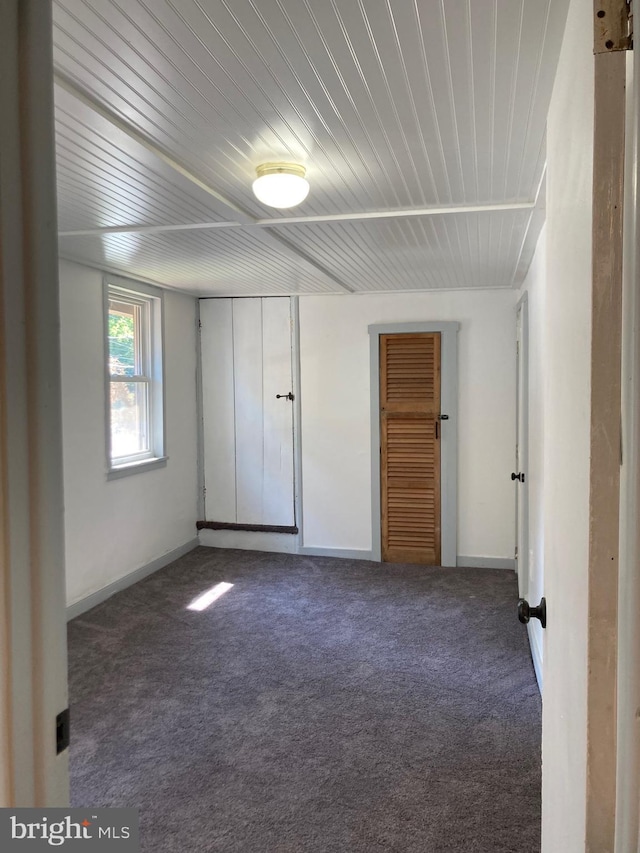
(129, 418)
(124, 339)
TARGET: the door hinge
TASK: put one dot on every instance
(63, 731)
(516, 553)
(613, 26)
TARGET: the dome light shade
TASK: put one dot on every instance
(281, 184)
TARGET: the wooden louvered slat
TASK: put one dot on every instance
(410, 450)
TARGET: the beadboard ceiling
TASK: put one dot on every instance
(421, 124)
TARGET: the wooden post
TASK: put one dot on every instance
(611, 40)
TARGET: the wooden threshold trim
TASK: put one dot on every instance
(251, 528)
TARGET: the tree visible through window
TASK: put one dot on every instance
(134, 437)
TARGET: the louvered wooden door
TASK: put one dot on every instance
(410, 447)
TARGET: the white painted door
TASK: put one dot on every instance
(521, 483)
(247, 427)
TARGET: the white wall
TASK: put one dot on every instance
(535, 288)
(566, 444)
(115, 527)
(336, 415)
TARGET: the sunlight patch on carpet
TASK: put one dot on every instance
(207, 598)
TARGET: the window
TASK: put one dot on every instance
(135, 434)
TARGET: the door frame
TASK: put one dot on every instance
(33, 658)
(449, 435)
(522, 443)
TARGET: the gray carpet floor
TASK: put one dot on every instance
(320, 705)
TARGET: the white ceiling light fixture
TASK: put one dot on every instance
(281, 184)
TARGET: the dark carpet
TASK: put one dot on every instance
(320, 705)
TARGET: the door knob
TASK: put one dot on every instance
(527, 612)
(519, 476)
(288, 396)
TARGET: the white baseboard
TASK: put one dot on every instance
(485, 563)
(344, 553)
(535, 642)
(247, 540)
(101, 595)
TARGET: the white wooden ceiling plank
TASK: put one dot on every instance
(423, 130)
(482, 241)
(400, 22)
(310, 99)
(387, 258)
(169, 263)
(507, 43)
(457, 226)
(388, 245)
(286, 127)
(147, 201)
(319, 76)
(204, 163)
(434, 55)
(530, 237)
(112, 209)
(459, 72)
(527, 73)
(138, 208)
(314, 244)
(251, 251)
(531, 165)
(123, 66)
(227, 112)
(385, 249)
(431, 224)
(481, 47)
(99, 155)
(86, 207)
(410, 254)
(370, 89)
(91, 129)
(395, 104)
(519, 229)
(335, 242)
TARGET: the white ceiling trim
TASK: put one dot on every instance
(275, 222)
(400, 213)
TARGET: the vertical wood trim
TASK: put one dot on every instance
(628, 769)
(608, 193)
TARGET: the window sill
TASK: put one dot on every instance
(136, 467)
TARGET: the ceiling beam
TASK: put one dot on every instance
(400, 213)
(274, 222)
(148, 229)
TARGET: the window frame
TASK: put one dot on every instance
(151, 301)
